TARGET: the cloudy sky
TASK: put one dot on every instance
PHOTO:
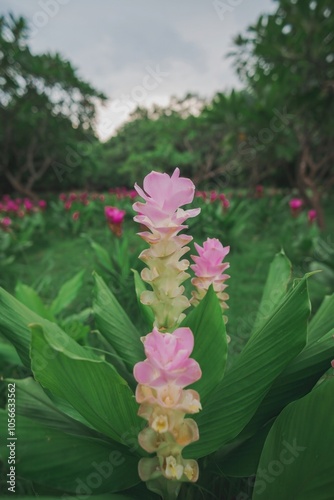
(141, 51)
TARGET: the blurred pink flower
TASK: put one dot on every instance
(76, 215)
(28, 205)
(114, 215)
(168, 359)
(42, 204)
(68, 205)
(213, 196)
(312, 216)
(11, 206)
(225, 203)
(295, 203)
(6, 222)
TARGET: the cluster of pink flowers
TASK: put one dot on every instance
(296, 205)
(11, 208)
(164, 402)
(123, 192)
(214, 196)
(79, 199)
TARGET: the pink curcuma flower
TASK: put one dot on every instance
(76, 215)
(42, 204)
(164, 196)
(209, 270)
(312, 216)
(114, 215)
(115, 218)
(6, 222)
(295, 206)
(164, 218)
(164, 403)
(28, 205)
(168, 359)
(295, 203)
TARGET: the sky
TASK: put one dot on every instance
(140, 52)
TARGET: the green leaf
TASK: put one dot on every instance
(235, 400)
(103, 256)
(71, 463)
(32, 300)
(32, 402)
(90, 385)
(8, 354)
(210, 350)
(323, 320)
(275, 288)
(114, 324)
(140, 288)
(297, 459)
(14, 320)
(67, 293)
(298, 378)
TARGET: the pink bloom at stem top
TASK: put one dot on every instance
(164, 218)
(209, 269)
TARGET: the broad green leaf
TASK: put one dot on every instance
(323, 320)
(297, 459)
(71, 463)
(235, 400)
(91, 386)
(114, 324)
(14, 321)
(102, 255)
(140, 288)
(298, 378)
(32, 402)
(67, 293)
(210, 350)
(9, 355)
(275, 288)
(32, 300)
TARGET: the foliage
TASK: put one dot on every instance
(82, 399)
(42, 93)
(286, 60)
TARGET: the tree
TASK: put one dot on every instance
(45, 110)
(287, 61)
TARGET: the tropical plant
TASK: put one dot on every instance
(257, 423)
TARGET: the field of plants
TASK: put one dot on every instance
(71, 266)
(167, 250)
